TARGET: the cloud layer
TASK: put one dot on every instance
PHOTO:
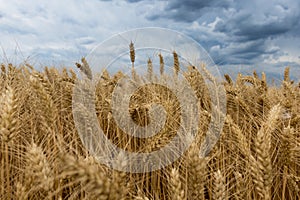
(263, 34)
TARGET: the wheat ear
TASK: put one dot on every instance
(263, 148)
(219, 186)
(176, 63)
(177, 192)
(161, 64)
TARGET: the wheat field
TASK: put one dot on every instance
(42, 156)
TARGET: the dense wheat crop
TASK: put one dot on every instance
(42, 156)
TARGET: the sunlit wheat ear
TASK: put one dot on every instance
(105, 75)
(240, 186)
(50, 76)
(287, 145)
(119, 188)
(39, 77)
(264, 81)
(8, 116)
(21, 191)
(238, 80)
(286, 74)
(89, 175)
(196, 177)
(141, 196)
(38, 171)
(263, 148)
(3, 72)
(206, 73)
(249, 79)
(219, 186)
(255, 75)
(73, 74)
(46, 107)
(238, 135)
(150, 69)
(177, 190)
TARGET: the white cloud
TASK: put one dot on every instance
(262, 33)
(69, 28)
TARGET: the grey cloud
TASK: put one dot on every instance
(194, 6)
(188, 11)
(246, 27)
(245, 31)
(133, 1)
(250, 53)
(16, 30)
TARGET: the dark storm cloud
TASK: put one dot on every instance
(258, 28)
(133, 1)
(248, 27)
(244, 32)
(190, 10)
(250, 52)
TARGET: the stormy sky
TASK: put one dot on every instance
(239, 35)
